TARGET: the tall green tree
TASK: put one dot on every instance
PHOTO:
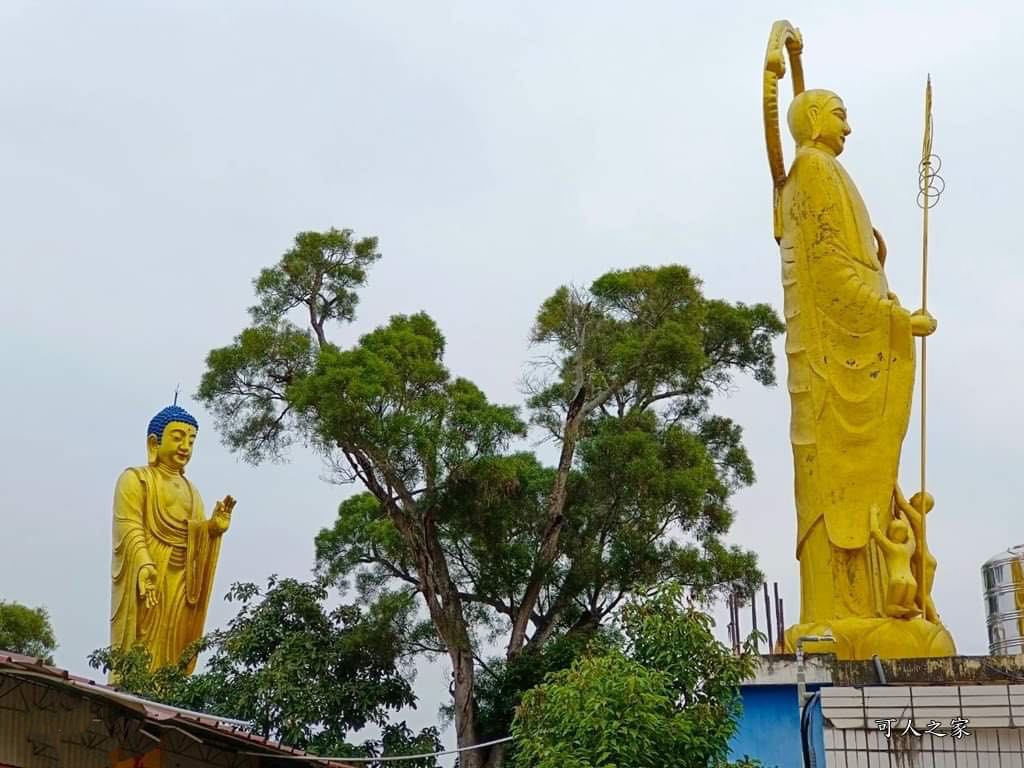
(497, 544)
(668, 699)
(26, 630)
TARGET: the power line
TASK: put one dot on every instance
(383, 759)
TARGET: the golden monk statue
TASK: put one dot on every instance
(165, 549)
(850, 352)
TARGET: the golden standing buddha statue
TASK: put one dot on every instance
(165, 549)
(851, 359)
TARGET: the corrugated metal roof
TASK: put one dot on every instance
(34, 720)
(18, 666)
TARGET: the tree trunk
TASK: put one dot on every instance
(444, 604)
(549, 544)
(465, 706)
(496, 756)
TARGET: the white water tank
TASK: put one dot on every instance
(1003, 577)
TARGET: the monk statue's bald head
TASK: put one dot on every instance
(818, 117)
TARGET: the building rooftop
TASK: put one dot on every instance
(229, 735)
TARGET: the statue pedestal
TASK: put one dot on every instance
(858, 638)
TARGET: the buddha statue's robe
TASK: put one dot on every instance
(851, 375)
(169, 531)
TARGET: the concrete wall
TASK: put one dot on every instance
(990, 735)
(844, 731)
(983, 748)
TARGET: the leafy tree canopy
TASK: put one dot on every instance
(296, 670)
(668, 699)
(498, 545)
(26, 630)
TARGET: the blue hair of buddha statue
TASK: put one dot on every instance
(159, 423)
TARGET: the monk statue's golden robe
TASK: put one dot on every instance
(851, 377)
(165, 550)
(866, 572)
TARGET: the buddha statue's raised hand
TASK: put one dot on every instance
(220, 521)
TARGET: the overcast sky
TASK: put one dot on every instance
(154, 156)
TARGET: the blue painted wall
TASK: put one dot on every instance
(769, 728)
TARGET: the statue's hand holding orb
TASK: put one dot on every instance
(220, 521)
(922, 500)
(922, 323)
(148, 585)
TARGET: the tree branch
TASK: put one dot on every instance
(651, 399)
(556, 520)
(393, 569)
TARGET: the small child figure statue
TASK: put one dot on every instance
(898, 545)
(912, 509)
